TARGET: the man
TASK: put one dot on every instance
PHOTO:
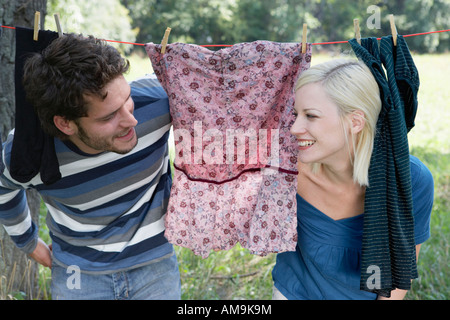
(106, 213)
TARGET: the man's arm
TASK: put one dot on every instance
(16, 219)
(14, 211)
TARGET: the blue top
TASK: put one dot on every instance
(326, 263)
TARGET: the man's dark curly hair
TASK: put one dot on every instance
(57, 81)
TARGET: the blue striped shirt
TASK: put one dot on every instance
(107, 211)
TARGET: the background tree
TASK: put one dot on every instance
(18, 274)
(421, 16)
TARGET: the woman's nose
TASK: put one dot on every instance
(298, 127)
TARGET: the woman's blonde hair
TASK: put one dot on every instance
(352, 87)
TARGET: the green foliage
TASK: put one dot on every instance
(106, 19)
(226, 275)
(201, 21)
(422, 16)
(233, 21)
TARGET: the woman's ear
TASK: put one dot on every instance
(67, 127)
(358, 121)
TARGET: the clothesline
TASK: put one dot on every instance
(229, 45)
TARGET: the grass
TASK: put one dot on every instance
(236, 274)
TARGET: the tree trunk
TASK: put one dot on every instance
(18, 274)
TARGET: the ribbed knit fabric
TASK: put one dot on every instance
(33, 150)
(388, 238)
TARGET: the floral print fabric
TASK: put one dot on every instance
(235, 176)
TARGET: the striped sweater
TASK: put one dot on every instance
(107, 211)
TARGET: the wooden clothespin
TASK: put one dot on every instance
(58, 25)
(164, 40)
(393, 29)
(305, 29)
(357, 30)
(37, 25)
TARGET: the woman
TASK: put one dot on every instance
(337, 107)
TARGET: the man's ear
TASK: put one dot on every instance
(67, 127)
(358, 121)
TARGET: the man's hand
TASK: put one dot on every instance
(42, 254)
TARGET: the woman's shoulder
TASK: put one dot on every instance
(420, 174)
(422, 186)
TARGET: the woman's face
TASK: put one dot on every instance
(318, 127)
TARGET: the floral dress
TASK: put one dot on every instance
(235, 176)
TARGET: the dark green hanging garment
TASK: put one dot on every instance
(388, 245)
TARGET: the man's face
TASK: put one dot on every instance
(109, 125)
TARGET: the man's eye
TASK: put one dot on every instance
(108, 118)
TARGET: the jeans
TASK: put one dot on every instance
(277, 295)
(159, 280)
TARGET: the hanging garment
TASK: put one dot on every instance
(405, 74)
(388, 238)
(33, 151)
(226, 190)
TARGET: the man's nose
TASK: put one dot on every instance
(128, 119)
